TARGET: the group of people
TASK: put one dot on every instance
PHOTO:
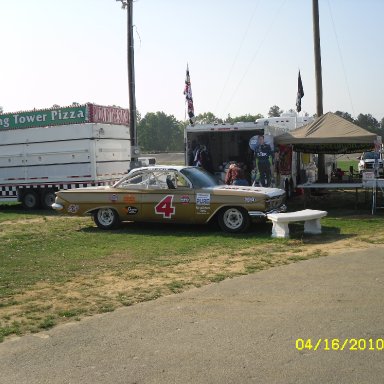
(263, 152)
(236, 175)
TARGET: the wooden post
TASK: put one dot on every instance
(319, 84)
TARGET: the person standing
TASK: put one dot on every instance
(263, 153)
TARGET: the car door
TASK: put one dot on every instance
(170, 199)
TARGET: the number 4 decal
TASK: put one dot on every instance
(165, 207)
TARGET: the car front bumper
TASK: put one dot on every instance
(263, 215)
(57, 207)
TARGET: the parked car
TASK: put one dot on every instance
(367, 161)
(177, 194)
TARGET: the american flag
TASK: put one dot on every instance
(188, 98)
(300, 93)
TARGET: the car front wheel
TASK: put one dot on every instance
(234, 220)
(106, 218)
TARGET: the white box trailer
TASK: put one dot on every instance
(35, 162)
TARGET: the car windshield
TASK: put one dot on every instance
(370, 156)
(199, 178)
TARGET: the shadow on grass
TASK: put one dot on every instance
(329, 234)
(261, 231)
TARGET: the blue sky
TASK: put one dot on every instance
(243, 55)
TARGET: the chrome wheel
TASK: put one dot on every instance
(106, 218)
(234, 220)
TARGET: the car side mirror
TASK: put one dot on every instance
(358, 157)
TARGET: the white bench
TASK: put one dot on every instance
(310, 217)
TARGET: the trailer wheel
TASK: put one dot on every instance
(234, 220)
(106, 218)
(48, 198)
(30, 200)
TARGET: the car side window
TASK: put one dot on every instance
(181, 182)
(139, 181)
(157, 179)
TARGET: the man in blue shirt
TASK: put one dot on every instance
(263, 153)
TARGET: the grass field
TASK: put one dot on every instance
(345, 164)
(55, 269)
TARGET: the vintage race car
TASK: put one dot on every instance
(177, 194)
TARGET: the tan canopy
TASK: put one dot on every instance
(329, 133)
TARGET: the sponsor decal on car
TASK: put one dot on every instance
(249, 199)
(203, 203)
(185, 199)
(130, 199)
(132, 210)
(73, 208)
(203, 199)
(113, 197)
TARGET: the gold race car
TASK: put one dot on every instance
(175, 194)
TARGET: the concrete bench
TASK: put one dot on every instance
(310, 217)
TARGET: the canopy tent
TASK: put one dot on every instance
(329, 133)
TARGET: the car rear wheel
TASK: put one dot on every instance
(106, 218)
(234, 220)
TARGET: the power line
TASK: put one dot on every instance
(341, 58)
(255, 55)
(236, 56)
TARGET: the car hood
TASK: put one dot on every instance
(371, 161)
(244, 190)
(87, 189)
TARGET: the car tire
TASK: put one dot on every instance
(30, 200)
(106, 218)
(234, 220)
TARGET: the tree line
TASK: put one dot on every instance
(160, 132)
(157, 131)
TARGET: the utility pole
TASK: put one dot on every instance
(319, 82)
(135, 150)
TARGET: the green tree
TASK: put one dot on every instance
(210, 118)
(275, 111)
(369, 123)
(160, 132)
(229, 119)
(248, 118)
(207, 118)
(345, 115)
